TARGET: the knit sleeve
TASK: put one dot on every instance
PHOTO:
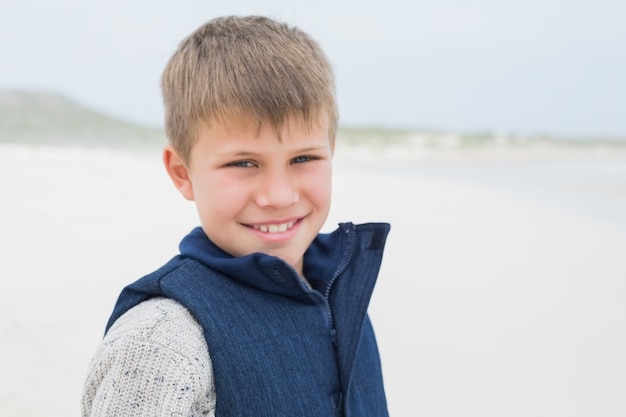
(153, 362)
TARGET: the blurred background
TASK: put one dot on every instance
(490, 134)
(543, 67)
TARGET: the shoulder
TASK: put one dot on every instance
(153, 361)
(159, 321)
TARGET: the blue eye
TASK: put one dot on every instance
(302, 159)
(241, 164)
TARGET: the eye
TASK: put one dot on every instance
(241, 164)
(303, 158)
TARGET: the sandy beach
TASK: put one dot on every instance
(501, 294)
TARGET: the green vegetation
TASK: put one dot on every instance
(375, 136)
(49, 119)
(432, 139)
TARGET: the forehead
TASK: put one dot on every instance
(249, 135)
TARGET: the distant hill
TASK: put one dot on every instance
(40, 118)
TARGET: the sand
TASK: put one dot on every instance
(495, 297)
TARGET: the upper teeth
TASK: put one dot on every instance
(274, 228)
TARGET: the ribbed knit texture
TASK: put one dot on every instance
(153, 362)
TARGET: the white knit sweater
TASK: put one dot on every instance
(153, 362)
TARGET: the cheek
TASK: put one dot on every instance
(320, 190)
(220, 196)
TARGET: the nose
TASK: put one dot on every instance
(276, 189)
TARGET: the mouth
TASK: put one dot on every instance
(275, 227)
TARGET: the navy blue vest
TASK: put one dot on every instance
(278, 347)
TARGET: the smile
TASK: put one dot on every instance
(274, 228)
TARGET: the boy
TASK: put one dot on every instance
(259, 315)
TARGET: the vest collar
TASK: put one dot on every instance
(323, 261)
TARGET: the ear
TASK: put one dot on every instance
(178, 172)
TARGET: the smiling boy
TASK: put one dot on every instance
(259, 314)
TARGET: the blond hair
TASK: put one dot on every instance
(245, 69)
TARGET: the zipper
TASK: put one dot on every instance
(325, 298)
(342, 267)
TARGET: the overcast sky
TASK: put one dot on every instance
(527, 66)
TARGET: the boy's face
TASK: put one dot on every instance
(255, 193)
